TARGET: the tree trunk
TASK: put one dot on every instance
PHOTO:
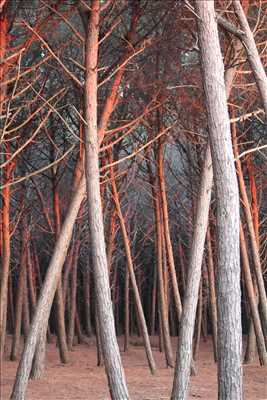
(130, 266)
(253, 238)
(126, 310)
(5, 256)
(20, 293)
(227, 196)
(112, 359)
(252, 300)
(44, 304)
(164, 320)
(181, 379)
(59, 302)
(252, 53)
(73, 296)
(186, 331)
(164, 204)
(212, 292)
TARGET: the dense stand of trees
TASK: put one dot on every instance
(116, 118)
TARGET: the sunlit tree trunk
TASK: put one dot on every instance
(5, 255)
(109, 345)
(6, 175)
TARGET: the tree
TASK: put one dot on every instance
(226, 188)
(112, 359)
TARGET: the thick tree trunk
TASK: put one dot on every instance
(227, 196)
(181, 379)
(111, 355)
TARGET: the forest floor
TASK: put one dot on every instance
(81, 379)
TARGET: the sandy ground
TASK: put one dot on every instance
(82, 380)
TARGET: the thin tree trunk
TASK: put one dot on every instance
(253, 238)
(212, 292)
(20, 293)
(252, 300)
(164, 320)
(252, 53)
(139, 307)
(126, 310)
(164, 203)
(87, 300)
(5, 256)
(198, 321)
(73, 295)
(60, 325)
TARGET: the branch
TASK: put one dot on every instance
(229, 27)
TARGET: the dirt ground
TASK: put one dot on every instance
(82, 380)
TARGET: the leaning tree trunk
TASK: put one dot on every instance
(130, 266)
(251, 230)
(46, 297)
(111, 355)
(252, 53)
(227, 196)
(252, 300)
(184, 350)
